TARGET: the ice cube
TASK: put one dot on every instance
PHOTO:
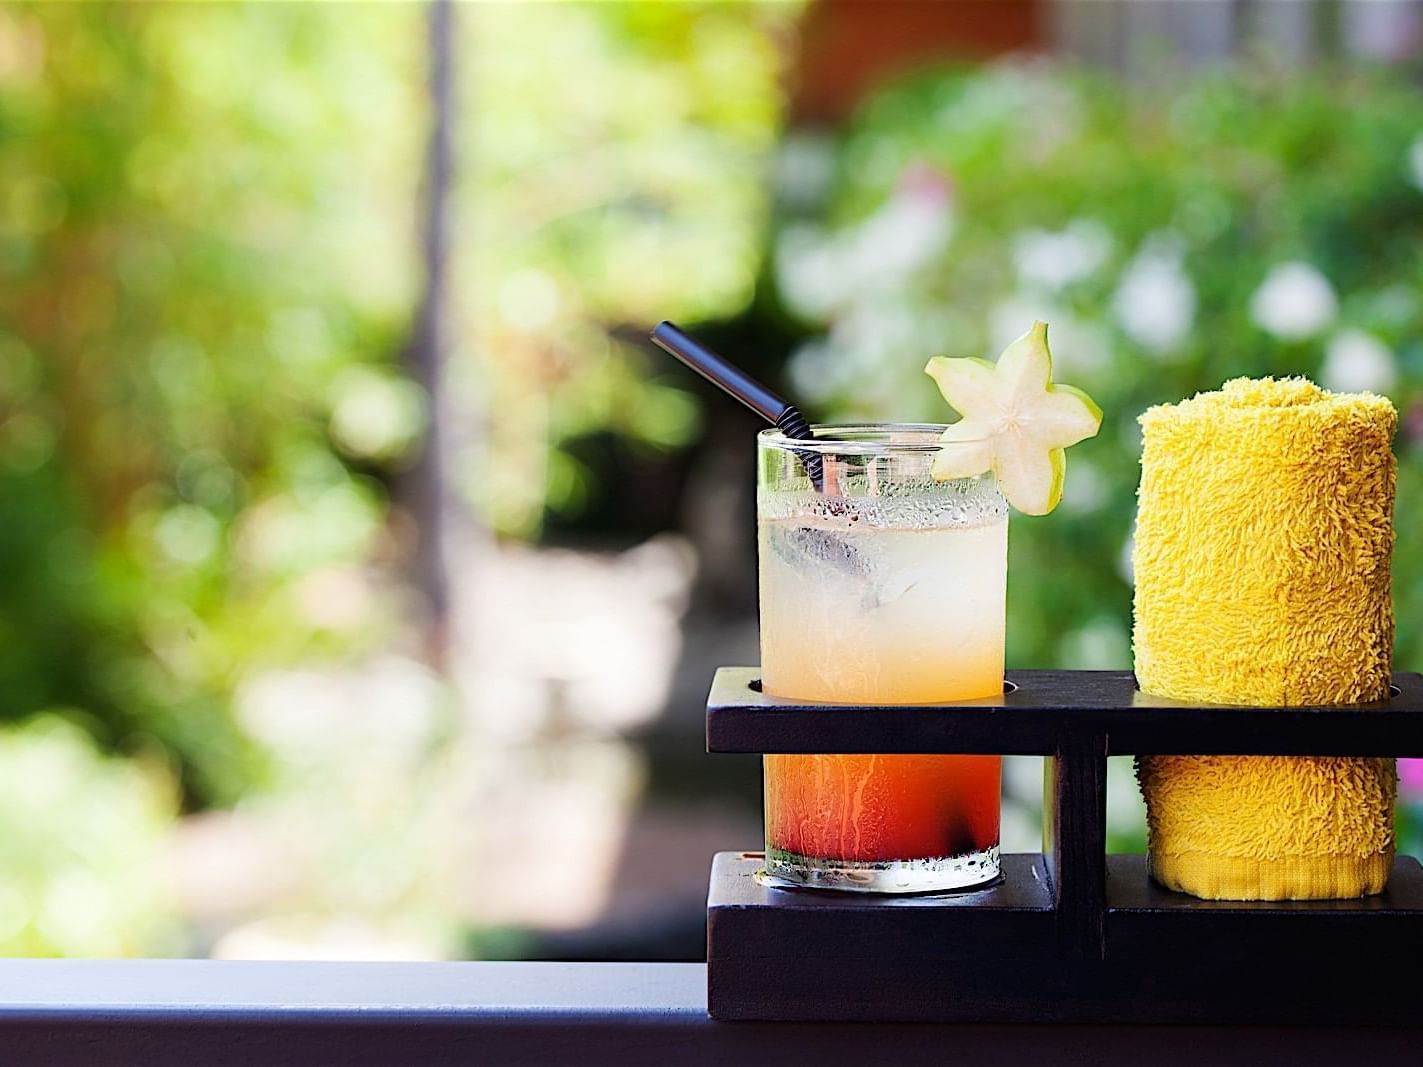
(806, 547)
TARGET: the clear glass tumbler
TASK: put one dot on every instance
(879, 585)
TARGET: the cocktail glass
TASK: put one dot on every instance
(879, 585)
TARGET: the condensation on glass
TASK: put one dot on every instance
(879, 585)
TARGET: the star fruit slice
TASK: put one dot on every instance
(1015, 422)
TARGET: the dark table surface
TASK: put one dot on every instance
(195, 1011)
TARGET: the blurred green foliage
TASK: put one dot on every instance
(1244, 223)
(616, 162)
(206, 265)
(82, 840)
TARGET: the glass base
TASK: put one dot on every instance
(790, 870)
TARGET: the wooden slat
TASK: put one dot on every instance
(1145, 921)
(1167, 958)
(160, 1012)
(1050, 708)
(1075, 841)
(1010, 920)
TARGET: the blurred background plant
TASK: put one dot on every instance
(205, 271)
(244, 715)
(1251, 222)
(82, 839)
(1248, 223)
(627, 189)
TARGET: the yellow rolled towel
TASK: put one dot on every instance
(1263, 541)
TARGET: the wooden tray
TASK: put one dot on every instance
(1071, 934)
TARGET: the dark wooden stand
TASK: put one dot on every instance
(1072, 934)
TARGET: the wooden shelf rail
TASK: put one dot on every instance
(1070, 934)
(159, 1012)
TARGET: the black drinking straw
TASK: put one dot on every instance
(784, 416)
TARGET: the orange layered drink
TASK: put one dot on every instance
(883, 557)
(879, 585)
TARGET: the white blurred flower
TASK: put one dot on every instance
(1357, 361)
(1415, 161)
(871, 346)
(819, 272)
(907, 232)
(1295, 301)
(1052, 259)
(874, 335)
(1155, 302)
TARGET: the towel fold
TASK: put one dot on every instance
(1263, 543)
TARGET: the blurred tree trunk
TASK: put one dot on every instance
(422, 492)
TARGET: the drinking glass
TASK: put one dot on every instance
(879, 585)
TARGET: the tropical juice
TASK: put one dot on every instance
(883, 558)
(890, 597)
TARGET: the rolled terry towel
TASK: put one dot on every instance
(1263, 540)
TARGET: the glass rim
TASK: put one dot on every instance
(863, 438)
